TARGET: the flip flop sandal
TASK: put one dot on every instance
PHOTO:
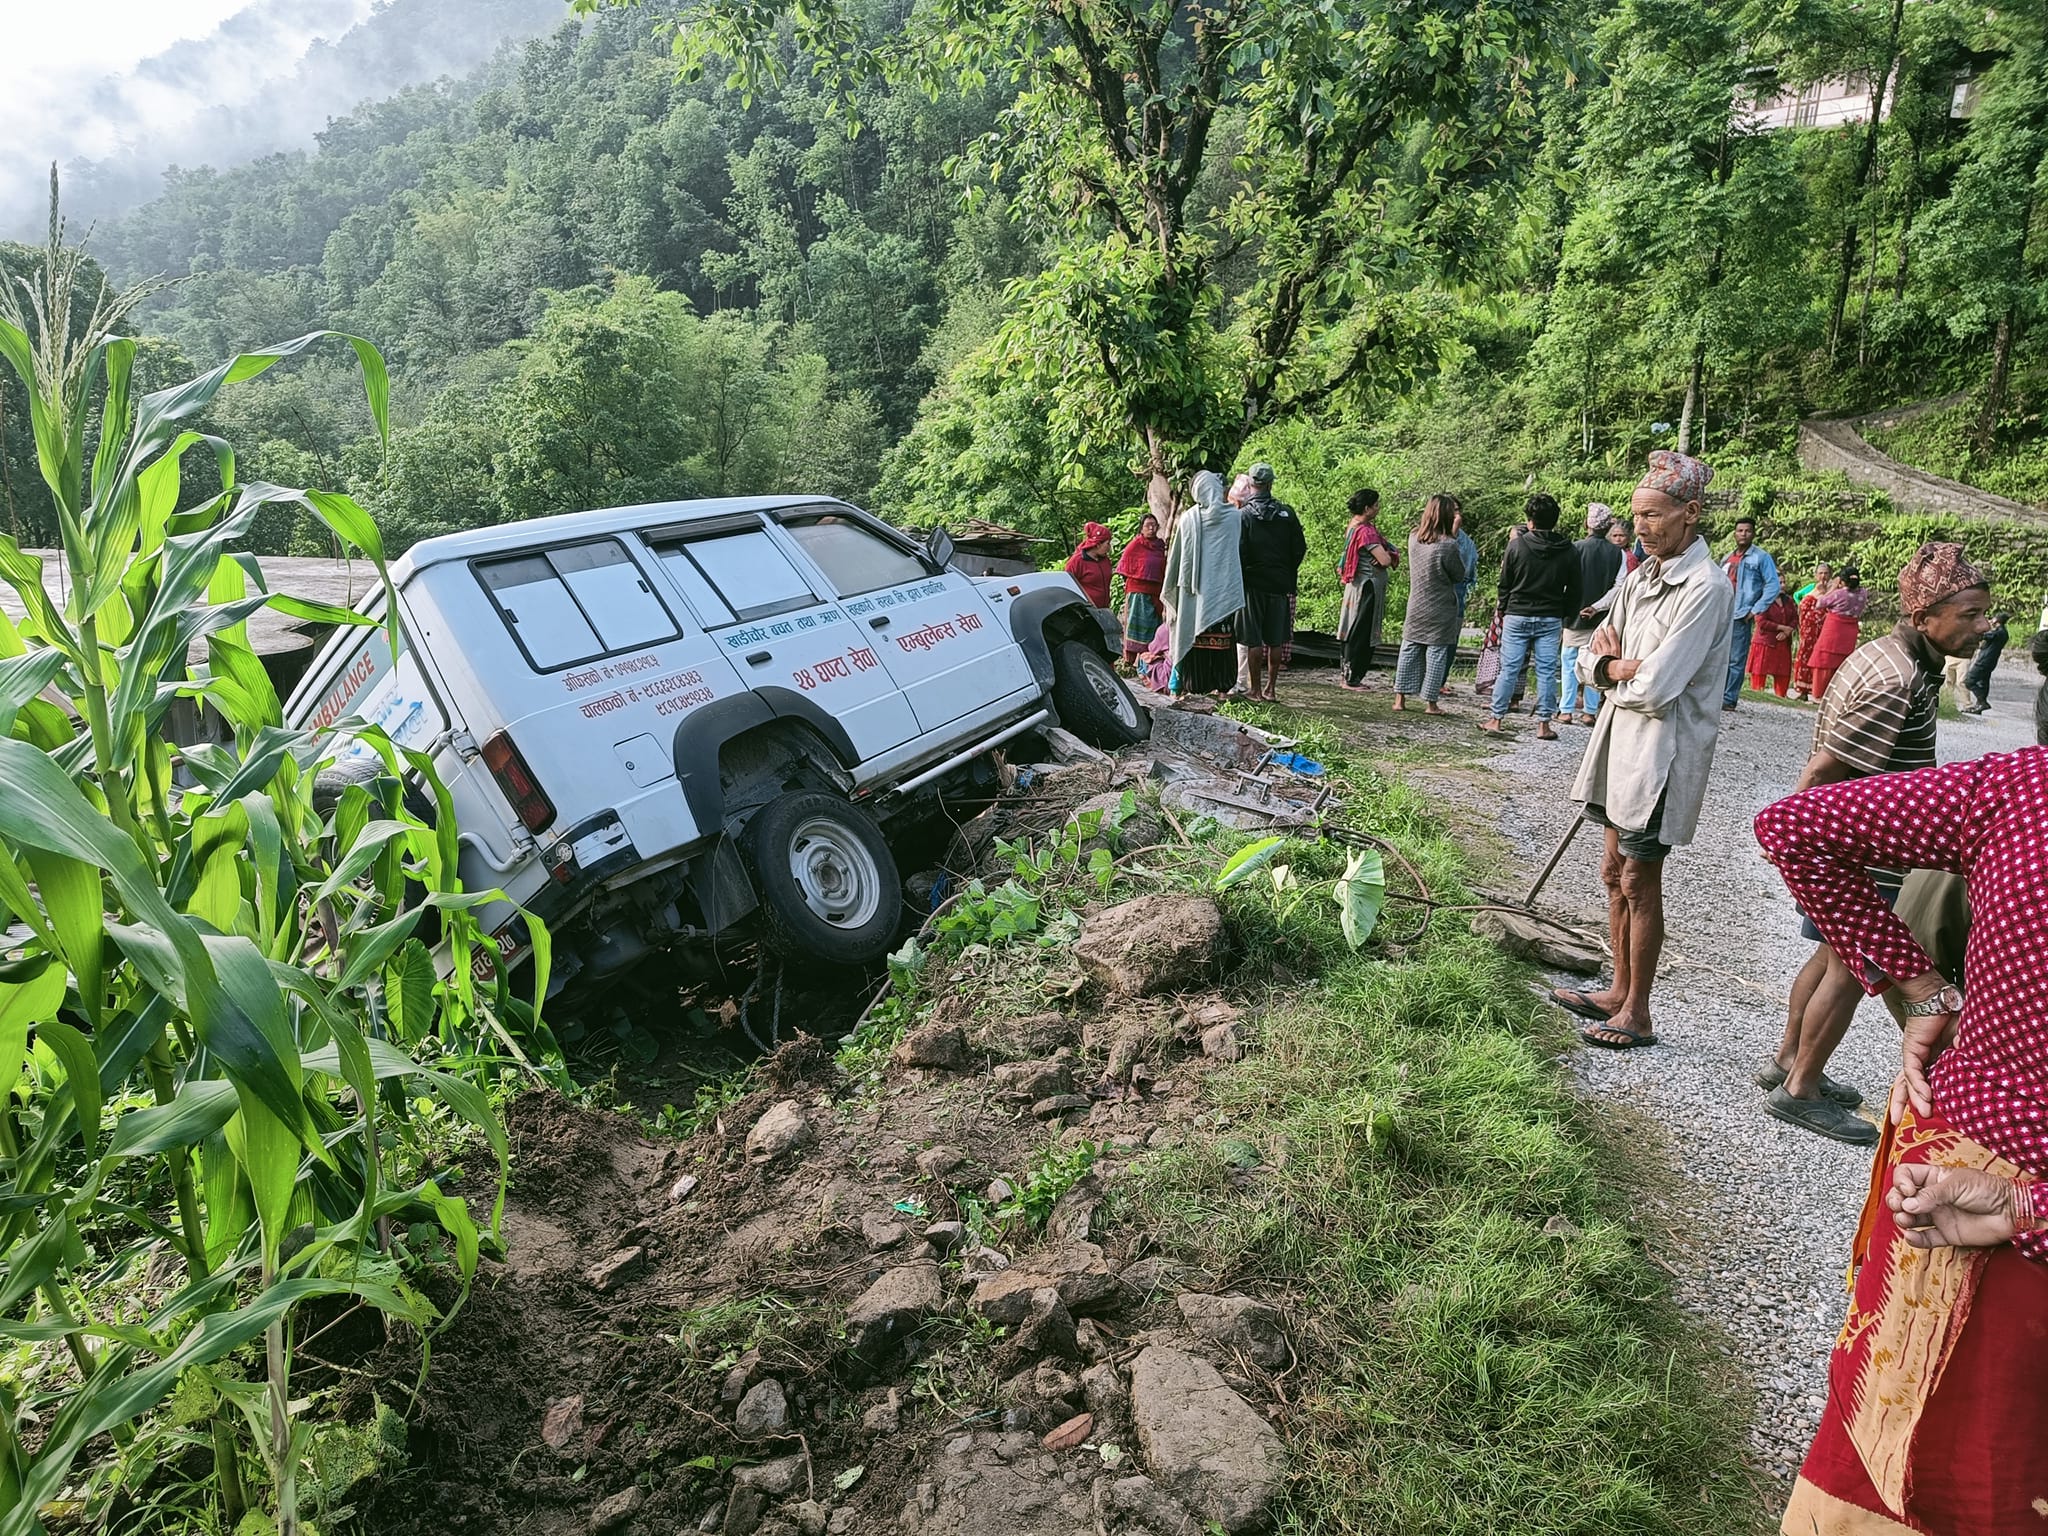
(1579, 1003)
(1629, 1040)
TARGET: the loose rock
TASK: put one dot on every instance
(1107, 1397)
(936, 1162)
(1028, 1038)
(1203, 1442)
(617, 1510)
(1152, 944)
(773, 1478)
(885, 1418)
(780, 1132)
(945, 1236)
(562, 1423)
(1060, 1104)
(810, 1517)
(682, 1189)
(1033, 1080)
(881, 1231)
(743, 1511)
(1080, 1273)
(1238, 1322)
(763, 1411)
(740, 1377)
(941, 1047)
(1220, 1042)
(891, 1307)
(1146, 1503)
(1047, 1329)
(606, 1275)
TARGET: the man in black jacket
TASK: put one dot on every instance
(1270, 550)
(1600, 562)
(1539, 591)
(1989, 649)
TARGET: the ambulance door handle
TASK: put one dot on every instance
(881, 623)
(758, 658)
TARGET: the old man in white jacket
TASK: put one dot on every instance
(1661, 658)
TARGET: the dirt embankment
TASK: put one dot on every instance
(869, 1301)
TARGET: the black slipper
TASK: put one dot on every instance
(1579, 1003)
(1630, 1039)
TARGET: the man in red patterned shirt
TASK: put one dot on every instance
(1937, 1414)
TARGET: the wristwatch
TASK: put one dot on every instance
(1947, 1000)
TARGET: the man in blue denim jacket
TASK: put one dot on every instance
(1754, 575)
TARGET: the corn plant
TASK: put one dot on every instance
(215, 1004)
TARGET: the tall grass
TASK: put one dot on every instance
(1488, 1347)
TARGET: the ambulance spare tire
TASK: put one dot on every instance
(1092, 700)
(827, 881)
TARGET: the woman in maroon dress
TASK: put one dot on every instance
(1841, 628)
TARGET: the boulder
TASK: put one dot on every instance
(891, 1307)
(764, 1411)
(941, 1047)
(1238, 1322)
(782, 1131)
(617, 1510)
(1525, 938)
(1079, 1273)
(1152, 944)
(1203, 1443)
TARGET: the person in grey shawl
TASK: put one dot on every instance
(1429, 632)
(1204, 589)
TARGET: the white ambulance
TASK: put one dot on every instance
(659, 723)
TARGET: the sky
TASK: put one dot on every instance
(75, 88)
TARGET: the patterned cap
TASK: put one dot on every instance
(1678, 475)
(1094, 533)
(1599, 517)
(1936, 573)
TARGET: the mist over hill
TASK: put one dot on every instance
(266, 79)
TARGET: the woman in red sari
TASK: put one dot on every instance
(1937, 1412)
(1143, 567)
(1841, 627)
(1770, 650)
(1810, 619)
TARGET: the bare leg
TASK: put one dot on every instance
(1611, 998)
(1273, 674)
(1802, 993)
(1255, 666)
(1828, 1016)
(1642, 888)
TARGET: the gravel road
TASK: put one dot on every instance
(1774, 1208)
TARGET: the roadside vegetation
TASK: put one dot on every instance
(231, 1065)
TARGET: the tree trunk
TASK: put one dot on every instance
(1695, 380)
(1160, 499)
(1994, 390)
(1866, 159)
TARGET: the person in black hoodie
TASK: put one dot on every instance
(1270, 550)
(1539, 591)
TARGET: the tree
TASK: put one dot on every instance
(1361, 134)
(1985, 246)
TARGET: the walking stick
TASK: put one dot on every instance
(1556, 856)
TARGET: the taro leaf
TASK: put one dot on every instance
(1361, 894)
(1248, 860)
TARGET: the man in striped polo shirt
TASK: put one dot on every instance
(1878, 717)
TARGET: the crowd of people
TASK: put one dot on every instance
(1924, 885)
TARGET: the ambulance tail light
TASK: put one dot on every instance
(534, 809)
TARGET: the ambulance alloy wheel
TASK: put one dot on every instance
(827, 881)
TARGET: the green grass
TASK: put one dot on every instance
(1467, 1371)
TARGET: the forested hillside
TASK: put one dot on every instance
(1046, 273)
